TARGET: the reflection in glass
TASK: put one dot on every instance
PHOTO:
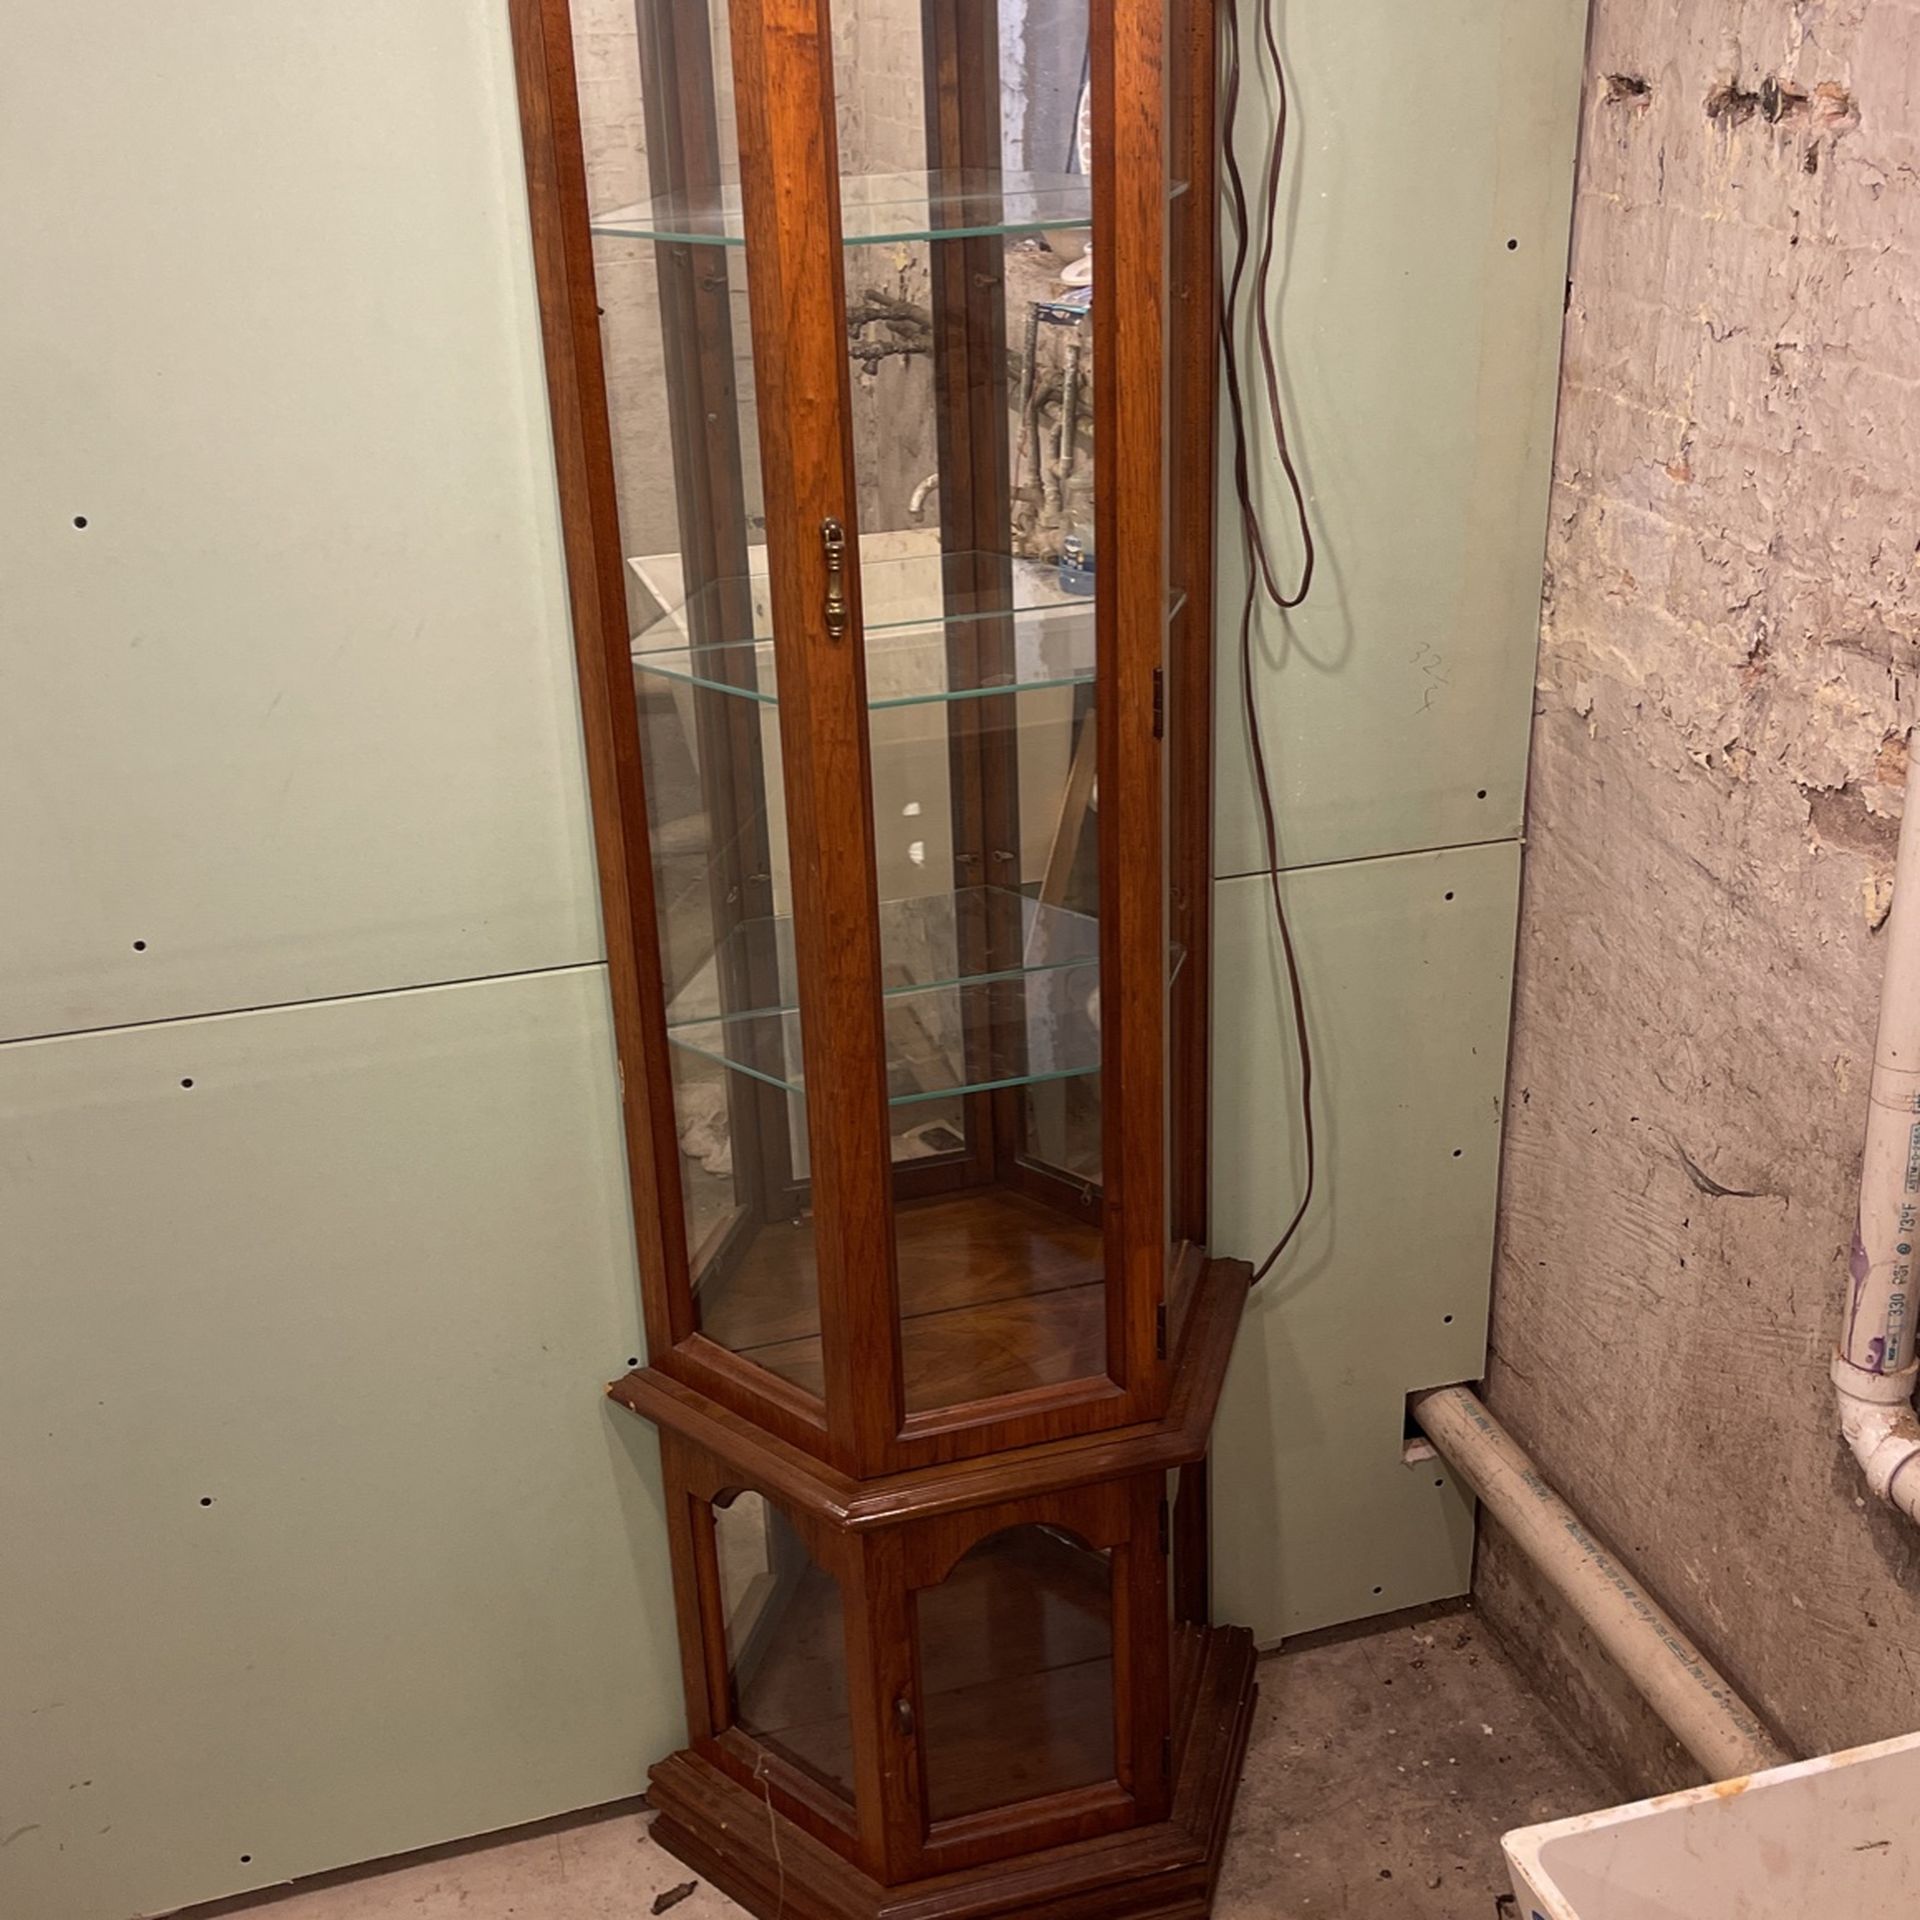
(974, 450)
(786, 1641)
(1016, 1673)
(676, 337)
(967, 209)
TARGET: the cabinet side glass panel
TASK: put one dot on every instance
(786, 1641)
(659, 131)
(970, 343)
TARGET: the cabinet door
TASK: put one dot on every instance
(936, 1694)
(891, 302)
(1031, 1697)
(980, 443)
(1002, 189)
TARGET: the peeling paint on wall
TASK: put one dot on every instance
(1730, 648)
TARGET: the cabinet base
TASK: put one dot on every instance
(1161, 1872)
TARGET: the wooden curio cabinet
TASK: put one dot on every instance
(880, 340)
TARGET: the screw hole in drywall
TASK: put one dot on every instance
(1481, 795)
(186, 1083)
(1449, 894)
(206, 1499)
(1379, 1589)
(80, 520)
(139, 946)
(633, 1359)
(1513, 246)
(1446, 1319)
(246, 1859)
(1439, 1483)
(1458, 1151)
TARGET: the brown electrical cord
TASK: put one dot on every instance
(1261, 576)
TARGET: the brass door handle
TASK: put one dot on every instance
(833, 537)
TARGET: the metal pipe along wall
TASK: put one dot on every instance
(1676, 1679)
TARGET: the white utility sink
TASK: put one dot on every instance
(1837, 1836)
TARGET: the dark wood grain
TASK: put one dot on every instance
(972, 1697)
(785, 87)
(692, 1579)
(985, 1352)
(999, 1294)
(803, 1483)
(1017, 1615)
(1192, 1521)
(596, 587)
(1029, 1733)
(789, 178)
(1165, 1870)
(1142, 1653)
(805, 439)
(1000, 1679)
(765, 1402)
(962, 1250)
(1130, 152)
(786, 1414)
(894, 1791)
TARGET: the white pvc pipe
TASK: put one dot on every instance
(1675, 1678)
(1874, 1370)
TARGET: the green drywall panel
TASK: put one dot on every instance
(1423, 250)
(1408, 965)
(294, 710)
(321, 1542)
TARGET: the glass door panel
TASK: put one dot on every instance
(786, 1641)
(1016, 1673)
(659, 129)
(967, 212)
(974, 443)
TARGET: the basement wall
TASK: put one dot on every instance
(1727, 675)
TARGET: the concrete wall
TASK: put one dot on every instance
(1727, 674)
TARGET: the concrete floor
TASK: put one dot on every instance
(1384, 1766)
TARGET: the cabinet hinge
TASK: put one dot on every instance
(1160, 1331)
(1166, 1528)
(1159, 703)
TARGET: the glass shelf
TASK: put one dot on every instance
(922, 942)
(912, 655)
(941, 1041)
(947, 1031)
(903, 583)
(909, 666)
(876, 208)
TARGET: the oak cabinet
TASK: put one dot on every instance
(883, 420)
